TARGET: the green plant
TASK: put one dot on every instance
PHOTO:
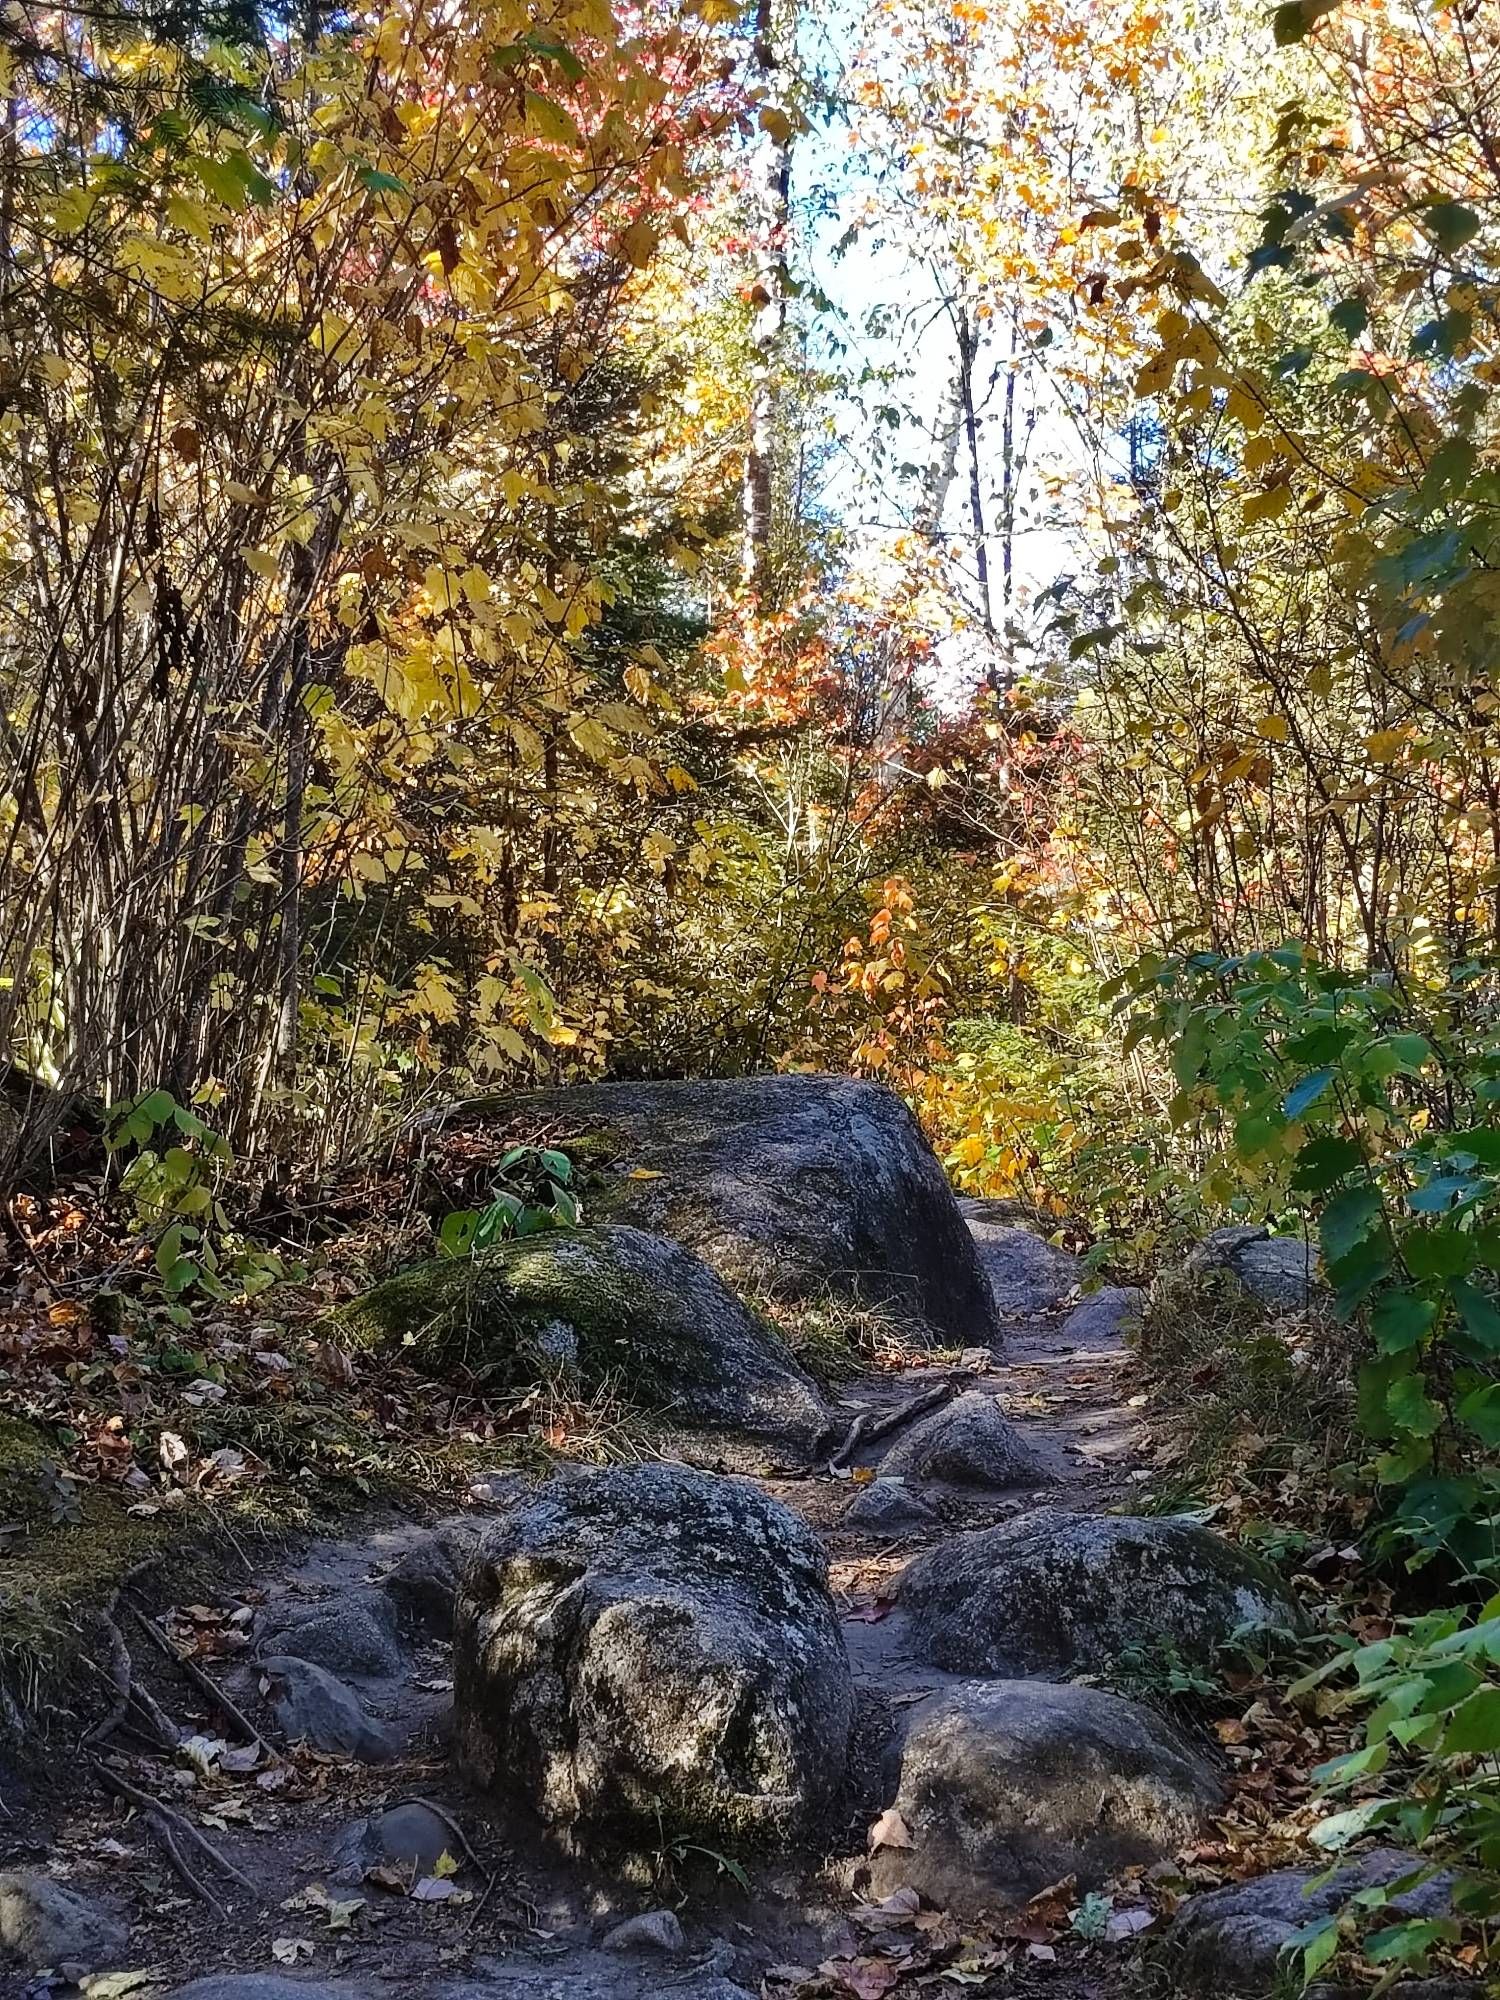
(534, 1190)
(176, 1178)
(1360, 1103)
(1425, 1774)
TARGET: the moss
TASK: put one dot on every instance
(560, 1302)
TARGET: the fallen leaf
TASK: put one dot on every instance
(865, 1978)
(437, 1889)
(115, 1985)
(890, 1830)
(288, 1950)
(1125, 1923)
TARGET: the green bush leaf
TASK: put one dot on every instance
(1475, 1727)
(1450, 224)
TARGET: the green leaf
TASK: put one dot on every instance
(377, 182)
(1478, 1313)
(1475, 1727)
(1400, 1320)
(1324, 1161)
(1408, 1943)
(1307, 1092)
(456, 1232)
(1411, 1408)
(1450, 224)
(1347, 1221)
(1479, 1411)
(1436, 1253)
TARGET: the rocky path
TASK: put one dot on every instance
(915, 1720)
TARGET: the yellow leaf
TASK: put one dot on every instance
(1273, 728)
(776, 122)
(639, 243)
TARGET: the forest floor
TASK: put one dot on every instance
(511, 1922)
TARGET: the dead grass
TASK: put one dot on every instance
(837, 1338)
(1249, 1392)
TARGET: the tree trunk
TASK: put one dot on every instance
(771, 207)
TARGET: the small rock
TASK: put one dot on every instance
(970, 1443)
(1056, 1593)
(1005, 1786)
(312, 1706)
(654, 1930)
(889, 1504)
(44, 1925)
(423, 1582)
(409, 1838)
(1231, 1938)
(355, 1637)
(1026, 1274)
(1101, 1319)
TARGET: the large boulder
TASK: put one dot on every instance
(646, 1654)
(606, 1308)
(1232, 1939)
(784, 1184)
(1025, 1273)
(970, 1443)
(1005, 1786)
(1058, 1593)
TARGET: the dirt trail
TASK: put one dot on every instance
(520, 1925)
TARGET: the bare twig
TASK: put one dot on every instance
(918, 1406)
(851, 1438)
(173, 1822)
(169, 1847)
(205, 1684)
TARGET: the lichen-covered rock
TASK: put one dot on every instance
(46, 1926)
(1231, 1939)
(1102, 1319)
(647, 1653)
(606, 1307)
(970, 1443)
(785, 1184)
(1005, 1786)
(1055, 1593)
(1025, 1273)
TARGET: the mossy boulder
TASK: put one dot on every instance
(1058, 1593)
(648, 1655)
(605, 1308)
(784, 1184)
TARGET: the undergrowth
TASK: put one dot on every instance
(1249, 1395)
